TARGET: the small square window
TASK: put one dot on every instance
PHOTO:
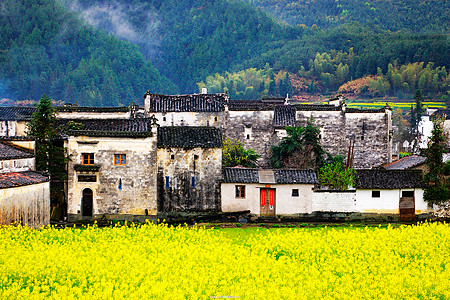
(120, 159)
(172, 156)
(295, 193)
(87, 158)
(408, 194)
(375, 194)
(240, 191)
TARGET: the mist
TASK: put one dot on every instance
(137, 24)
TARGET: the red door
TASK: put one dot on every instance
(267, 202)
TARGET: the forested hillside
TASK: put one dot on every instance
(46, 49)
(102, 52)
(414, 16)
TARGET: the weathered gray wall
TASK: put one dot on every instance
(28, 205)
(254, 129)
(138, 176)
(180, 196)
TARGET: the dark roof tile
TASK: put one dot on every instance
(187, 103)
(105, 127)
(189, 137)
(388, 179)
(295, 176)
(249, 105)
(16, 113)
(15, 179)
(9, 151)
(282, 176)
(284, 115)
(406, 163)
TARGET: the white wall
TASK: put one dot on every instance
(334, 201)
(29, 204)
(284, 202)
(388, 201)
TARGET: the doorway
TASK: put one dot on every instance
(86, 203)
(267, 202)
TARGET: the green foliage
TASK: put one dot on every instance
(404, 154)
(234, 154)
(335, 175)
(436, 191)
(300, 149)
(46, 49)
(42, 128)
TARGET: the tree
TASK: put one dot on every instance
(417, 111)
(335, 175)
(234, 154)
(300, 149)
(50, 157)
(436, 190)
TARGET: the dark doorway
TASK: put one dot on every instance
(86, 203)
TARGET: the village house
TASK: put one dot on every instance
(268, 192)
(259, 125)
(189, 169)
(14, 120)
(390, 191)
(112, 169)
(24, 193)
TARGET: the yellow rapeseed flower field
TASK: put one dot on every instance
(161, 262)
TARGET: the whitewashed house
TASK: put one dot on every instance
(390, 191)
(268, 192)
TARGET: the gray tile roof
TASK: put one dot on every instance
(249, 105)
(16, 113)
(189, 137)
(15, 179)
(137, 128)
(284, 115)
(406, 163)
(187, 103)
(295, 176)
(282, 176)
(91, 109)
(388, 179)
(9, 151)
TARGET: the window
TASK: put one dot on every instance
(408, 194)
(193, 182)
(295, 193)
(120, 184)
(195, 156)
(167, 182)
(120, 159)
(87, 158)
(240, 191)
(87, 178)
(172, 156)
(375, 194)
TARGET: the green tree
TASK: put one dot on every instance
(50, 157)
(234, 154)
(436, 190)
(335, 175)
(300, 149)
(417, 111)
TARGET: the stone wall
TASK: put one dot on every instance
(254, 129)
(177, 168)
(128, 190)
(29, 205)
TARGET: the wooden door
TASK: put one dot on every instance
(86, 203)
(407, 207)
(267, 202)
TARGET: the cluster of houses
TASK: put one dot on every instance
(139, 163)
